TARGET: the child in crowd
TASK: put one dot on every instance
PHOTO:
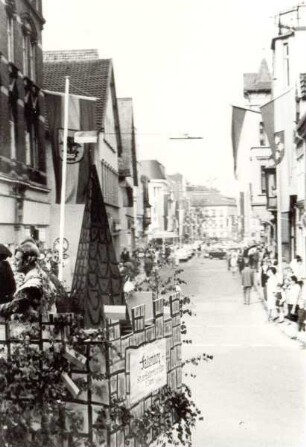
(280, 301)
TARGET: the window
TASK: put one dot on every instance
(13, 108)
(263, 180)
(286, 64)
(109, 184)
(31, 111)
(29, 43)
(262, 136)
(10, 38)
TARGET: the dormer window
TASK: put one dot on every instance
(29, 44)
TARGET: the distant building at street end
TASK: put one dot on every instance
(211, 214)
(159, 196)
(177, 187)
(257, 87)
(24, 206)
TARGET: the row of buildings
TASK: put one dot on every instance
(141, 200)
(32, 84)
(268, 134)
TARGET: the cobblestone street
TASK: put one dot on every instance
(252, 393)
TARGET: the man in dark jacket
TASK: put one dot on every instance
(247, 281)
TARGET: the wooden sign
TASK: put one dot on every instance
(148, 369)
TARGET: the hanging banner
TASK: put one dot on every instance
(148, 369)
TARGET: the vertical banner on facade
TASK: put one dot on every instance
(148, 369)
(81, 118)
(238, 115)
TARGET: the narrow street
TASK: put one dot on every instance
(252, 394)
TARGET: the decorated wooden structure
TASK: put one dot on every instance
(130, 369)
(125, 362)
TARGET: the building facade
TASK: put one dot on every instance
(159, 195)
(212, 216)
(91, 77)
(128, 176)
(286, 135)
(252, 153)
(178, 188)
(24, 204)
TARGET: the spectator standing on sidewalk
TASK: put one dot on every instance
(293, 297)
(234, 263)
(302, 310)
(280, 301)
(247, 281)
(271, 292)
(148, 264)
(264, 276)
(296, 266)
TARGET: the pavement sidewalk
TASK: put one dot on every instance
(289, 328)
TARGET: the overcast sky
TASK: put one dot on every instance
(181, 61)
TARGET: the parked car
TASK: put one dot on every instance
(182, 254)
(217, 253)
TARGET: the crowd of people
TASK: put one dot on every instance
(281, 286)
(152, 256)
(28, 281)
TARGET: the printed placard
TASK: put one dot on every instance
(148, 369)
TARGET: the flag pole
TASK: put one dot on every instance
(63, 186)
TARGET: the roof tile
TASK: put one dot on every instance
(87, 78)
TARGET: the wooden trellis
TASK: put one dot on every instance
(111, 359)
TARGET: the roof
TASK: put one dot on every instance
(209, 198)
(70, 55)
(256, 82)
(87, 77)
(152, 169)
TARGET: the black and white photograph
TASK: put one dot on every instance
(153, 223)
